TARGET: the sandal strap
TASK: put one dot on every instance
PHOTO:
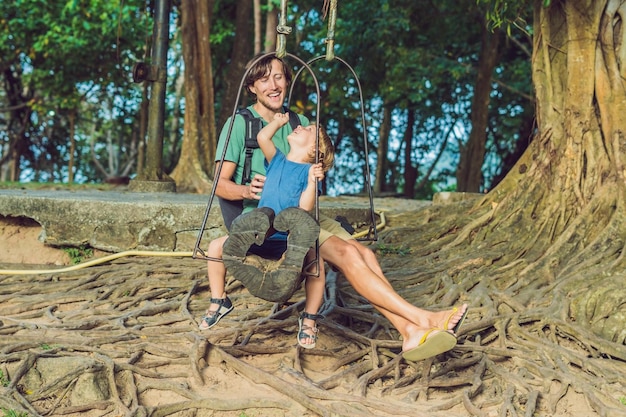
(220, 301)
(304, 328)
(223, 303)
(305, 315)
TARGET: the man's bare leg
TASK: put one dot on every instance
(361, 268)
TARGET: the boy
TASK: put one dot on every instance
(290, 182)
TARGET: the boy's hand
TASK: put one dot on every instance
(316, 171)
(281, 119)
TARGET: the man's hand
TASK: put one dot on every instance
(255, 187)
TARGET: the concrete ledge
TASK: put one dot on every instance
(115, 221)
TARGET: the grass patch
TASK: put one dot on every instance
(4, 380)
(78, 255)
(9, 185)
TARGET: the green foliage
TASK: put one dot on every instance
(508, 13)
(74, 59)
(67, 60)
(55, 39)
(622, 400)
(78, 255)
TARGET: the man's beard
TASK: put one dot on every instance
(271, 105)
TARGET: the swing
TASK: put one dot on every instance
(268, 279)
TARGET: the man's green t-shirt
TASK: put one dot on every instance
(235, 152)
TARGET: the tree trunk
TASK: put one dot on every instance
(469, 172)
(383, 149)
(199, 137)
(561, 209)
(179, 85)
(70, 165)
(271, 22)
(257, 26)
(143, 128)
(19, 121)
(239, 57)
(410, 171)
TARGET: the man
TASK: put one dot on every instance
(424, 333)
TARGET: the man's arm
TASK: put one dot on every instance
(227, 189)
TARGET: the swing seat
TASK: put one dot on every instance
(254, 233)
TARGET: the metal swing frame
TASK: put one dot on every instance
(284, 30)
(372, 234)
(198, 253)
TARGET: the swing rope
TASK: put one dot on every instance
(332, 20)
(283, 30)
(328, 9)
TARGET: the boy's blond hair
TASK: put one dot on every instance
(326, 150)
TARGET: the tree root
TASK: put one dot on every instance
(134, 323)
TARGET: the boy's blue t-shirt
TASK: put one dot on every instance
(284, 184)
(235, 151)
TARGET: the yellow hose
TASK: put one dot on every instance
(138, 253)
(95, 262)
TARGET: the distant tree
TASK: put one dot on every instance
(469, 176)
(45, 46)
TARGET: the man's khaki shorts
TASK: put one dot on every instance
(330, 227)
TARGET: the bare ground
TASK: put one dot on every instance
(138, 317)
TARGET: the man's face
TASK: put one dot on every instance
(270, 90)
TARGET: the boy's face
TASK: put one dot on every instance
(303, 137)
(270, 90)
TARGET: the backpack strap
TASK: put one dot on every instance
(294, 120)
(253, 127)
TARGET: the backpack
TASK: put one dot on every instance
(231, 209)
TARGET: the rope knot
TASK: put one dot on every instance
(283, 29)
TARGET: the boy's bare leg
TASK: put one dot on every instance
(216, 273)
(314, 287)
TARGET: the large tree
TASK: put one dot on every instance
(199, 140)
(566, 193)
(541, 257)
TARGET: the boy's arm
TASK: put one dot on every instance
(265, 135)
(307, 199)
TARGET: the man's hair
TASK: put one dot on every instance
(326, 150)
(262, 68)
